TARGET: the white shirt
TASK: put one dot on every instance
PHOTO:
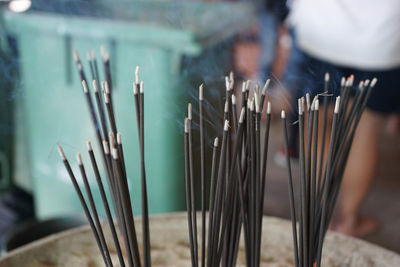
(363, 34)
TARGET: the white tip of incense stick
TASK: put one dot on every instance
(61, 152)
(366, 83)
(343, 81)
(106, 56)
(95, 88)
(347, 83)
(361, 85)
(268, 107)
(242, 112)
(93, 54)
(256, 102)
(201, 88)
(316, 104)
(244, 87)
(105, 147)
(114, 153)
(186, 125)
(226, 126)
(313, 102)
(226, 107)
(102, 50)
(252, 104)
(89, 146)
(84, 86)
(308, 100)
(374, 81)
(137, 74)
(248, 85)
(79, 66)
(119, 139)
(216, 141)
(135, 91)
(76, 56)
(299, 103)
(112, 139)
(106, 87)
(106, 98)
(141, 87)
(351, 80)
(248, 103)
(102, 84)
(233, 99)
(190, 111)
(327, 77)
(231, 76)
(337, 104)
(89, 58)
(79, 158)
(266, 85)
(283, 115)
(227, 83)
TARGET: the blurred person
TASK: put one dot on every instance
(271, 15)
(360, 37)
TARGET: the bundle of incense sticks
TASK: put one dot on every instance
(237, 179)
(111, 150)
(320, 178)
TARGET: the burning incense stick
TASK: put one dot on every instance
(291, 192)
(263, 93)
(106, 258)
(114, 163)
(237, 180)
(319, 191)
(202, 177)
(188, 193)
(145, 206)
(94, 210)
(192, 186)
(106, 205)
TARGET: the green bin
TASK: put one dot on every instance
(176, 45)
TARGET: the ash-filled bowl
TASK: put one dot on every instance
(170, 247)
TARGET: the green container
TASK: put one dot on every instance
(6, 125)
(176, 45)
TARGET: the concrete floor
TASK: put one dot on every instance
(383, 202)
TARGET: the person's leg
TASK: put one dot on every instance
(268, 42)
(359, 175)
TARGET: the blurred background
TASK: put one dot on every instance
(178, 45)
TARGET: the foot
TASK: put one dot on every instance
(361, 227)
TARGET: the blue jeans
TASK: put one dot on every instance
(268, 41)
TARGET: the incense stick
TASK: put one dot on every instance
(192, 188)
(291, 192)
(107, 70)
(323, 135)
(100, 108)
(94, 210)
(202, 178)
(145, 208)
(329, 160)
(83, 203)
(263, 93)
(302, 240)
(213, 182)
(105, 203)
(188, 193)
